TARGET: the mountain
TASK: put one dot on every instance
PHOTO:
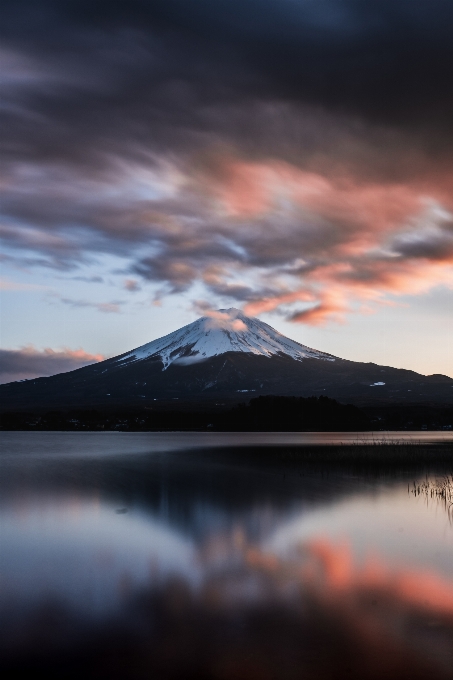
(219, 360)
(228, 330)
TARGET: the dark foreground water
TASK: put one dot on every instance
(197, 556)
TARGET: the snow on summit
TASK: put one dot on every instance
(224, 330)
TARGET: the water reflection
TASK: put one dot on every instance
(181, 565)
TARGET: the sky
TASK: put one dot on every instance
(291, 158)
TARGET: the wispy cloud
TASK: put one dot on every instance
(106, 307)
(7, 284)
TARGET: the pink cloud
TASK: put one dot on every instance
(226, 320)
(28, 362)
(388, 238)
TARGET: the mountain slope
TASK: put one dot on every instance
(221, 361)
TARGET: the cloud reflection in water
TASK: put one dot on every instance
(210, 576)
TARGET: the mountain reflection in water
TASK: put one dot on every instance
(123, 559)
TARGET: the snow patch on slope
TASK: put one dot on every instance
(226, 330)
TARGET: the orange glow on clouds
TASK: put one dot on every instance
(65, 353)
(383, 239)
(249, 189)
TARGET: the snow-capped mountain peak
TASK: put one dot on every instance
(224, 330)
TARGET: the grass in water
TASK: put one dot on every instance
(438, 489)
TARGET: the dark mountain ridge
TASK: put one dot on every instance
(148, 379)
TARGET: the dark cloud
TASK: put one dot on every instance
(28, 362)
(89, 77)
(434, 241)
(264, 148)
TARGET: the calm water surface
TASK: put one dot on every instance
(137, 555)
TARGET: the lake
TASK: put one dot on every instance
(196, 555)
